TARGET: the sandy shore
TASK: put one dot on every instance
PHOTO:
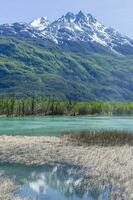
(103, 164)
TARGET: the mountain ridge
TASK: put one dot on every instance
(78, 27)
(64, 61)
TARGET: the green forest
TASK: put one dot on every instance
(63, 72)
(40, 106)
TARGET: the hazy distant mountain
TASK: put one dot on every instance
(75, 56)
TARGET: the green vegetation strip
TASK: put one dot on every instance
(64, 71)
(40, 106)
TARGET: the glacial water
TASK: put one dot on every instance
(59, 125)
(58, 182)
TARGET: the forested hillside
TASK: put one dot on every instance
(71, 71)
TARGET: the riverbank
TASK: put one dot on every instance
(6, 188)
(103, 164)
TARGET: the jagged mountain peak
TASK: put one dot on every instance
(81, 16)
(40, 23)
(73, 27)
(70, 16)
(79, 27)
(81, 13)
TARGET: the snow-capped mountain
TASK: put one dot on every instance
(40, 23)
(23, 30)
(71, 27)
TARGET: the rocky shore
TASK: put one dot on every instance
(103, 164)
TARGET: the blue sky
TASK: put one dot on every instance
(115, 13)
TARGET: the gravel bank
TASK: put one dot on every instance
(103, 164)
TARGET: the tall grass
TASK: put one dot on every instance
(101, 138)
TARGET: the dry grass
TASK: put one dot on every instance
(102, 138)
(103, 164)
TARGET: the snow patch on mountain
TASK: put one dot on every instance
(78, 27)
(40, 23)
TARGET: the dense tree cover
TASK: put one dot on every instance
(63, 71)
(51, 106)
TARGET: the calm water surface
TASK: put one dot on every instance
(59, 125)
(60, 182)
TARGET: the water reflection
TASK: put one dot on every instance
(60, 182)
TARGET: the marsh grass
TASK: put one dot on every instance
(101, 138)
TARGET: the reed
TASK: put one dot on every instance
(102, 138)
